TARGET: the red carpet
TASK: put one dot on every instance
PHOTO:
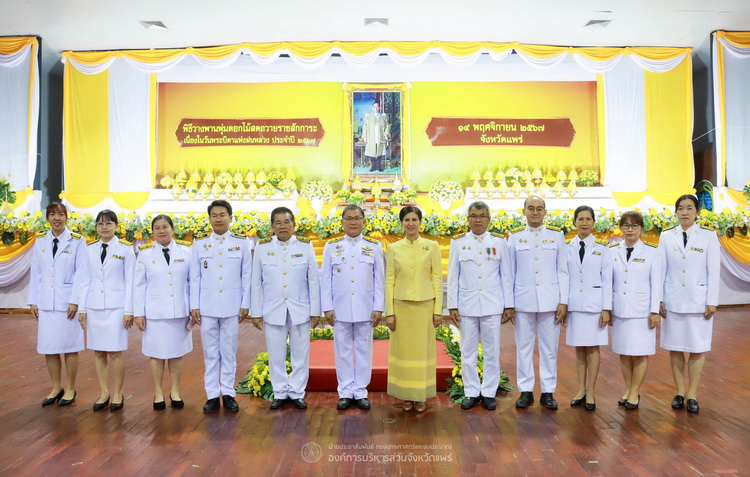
(323, 368)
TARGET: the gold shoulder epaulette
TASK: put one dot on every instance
(183, 242)
(40, 235)
(602, 241)
(146, 245)
(518, 229)
(72, 234)
(265, 240)
(239, 236)
(495, 234)
(126, 242)
(708, 228)
(95, 241)
(369, 239)
(614, 244)
(668, 228)
(552, 227)
(649, 244)
(338, 239)
(458, 236)
(303, 239)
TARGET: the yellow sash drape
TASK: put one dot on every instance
(10, 252)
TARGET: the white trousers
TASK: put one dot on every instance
(219, 338)
(528, 326)
(284, 385)
(352, 344)
(488, 329)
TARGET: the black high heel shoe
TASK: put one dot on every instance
(630, 407)
(577, 402)
(50, 401)
(98, 406)
(116, 406)
(65, 402)
(589, 406)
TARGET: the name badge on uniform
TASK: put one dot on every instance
(118, 257)
(596, 253)
(367, 251)
(233, 249)
(297, 255)
(67, 251)
(178, 260)
(548, 241)
(641, 260)
(694, 249)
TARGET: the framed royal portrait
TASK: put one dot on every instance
(377, 144)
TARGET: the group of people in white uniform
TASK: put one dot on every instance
(534, 279)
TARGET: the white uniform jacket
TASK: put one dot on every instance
(161, 290)
(353, 278)
(286, 279)
(109, 285)
(480, 282)
(590, 288)
(691, 272)
(636, 284)
(57, 282)
(539, 264)
(220, 275)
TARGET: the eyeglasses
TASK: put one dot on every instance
(481, 216)
(629, 226)
(353, 219)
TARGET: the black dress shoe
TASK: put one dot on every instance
(630, 406)
(692, 406)
(344, 404)
(678, 402)
(469, 402)
(577, 402)
(489, 403)
(116, 406)
(589, 406)
(526, 399)
(65, 402)
(230, 404)
(98, 406)
(622, 402)
(175, 403)
(53, 400)
(278, 403)
(212, 405)
(160, 406)
(363, 404)
(299, 403)
(548, 401)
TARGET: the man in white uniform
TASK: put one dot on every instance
(375, 135)
(220, 277)
(539, 263)
(352, 298)
(480, 288)
(286, 297)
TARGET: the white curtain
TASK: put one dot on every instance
(736, 105)
(625, 128)
(19, 116)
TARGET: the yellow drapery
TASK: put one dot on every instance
(737, 246)
(14, 44)
(9, 252)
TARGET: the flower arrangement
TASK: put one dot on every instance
(7, 196)
(444, 190)
(267, 190)
(356, 198)
(286, 186)
(344, 194)
(587, 178)
(397, 198)
(275, 178)
(316, 189)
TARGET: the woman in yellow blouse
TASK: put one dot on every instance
(413, 308)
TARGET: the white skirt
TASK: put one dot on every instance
(57, 334)
(167, 338)
(583, 330)
(632, 337)
(689, 332)
(105, 330)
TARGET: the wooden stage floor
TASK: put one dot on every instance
(654, 440)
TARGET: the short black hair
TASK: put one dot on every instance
(478, 205)
(687, 197)
(353, 207)
(106, 214)
(581, 209)
(282, 210)
(56, 206)
(220, 203)
(162, 217)
(632, 217)
(408, 210)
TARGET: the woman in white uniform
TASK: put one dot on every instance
(57, 267)
(107, 313)
(161, 306)
(691, 294)
(589, 303)
(636, 293)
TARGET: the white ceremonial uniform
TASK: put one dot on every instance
(352, 285)
(160, 294)
(480, 287)
(589, 292)
(286, 293)
(220, 279)
(56, 282)
(636, 293)
(539, 263)
(691, 283)
(108, 292)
